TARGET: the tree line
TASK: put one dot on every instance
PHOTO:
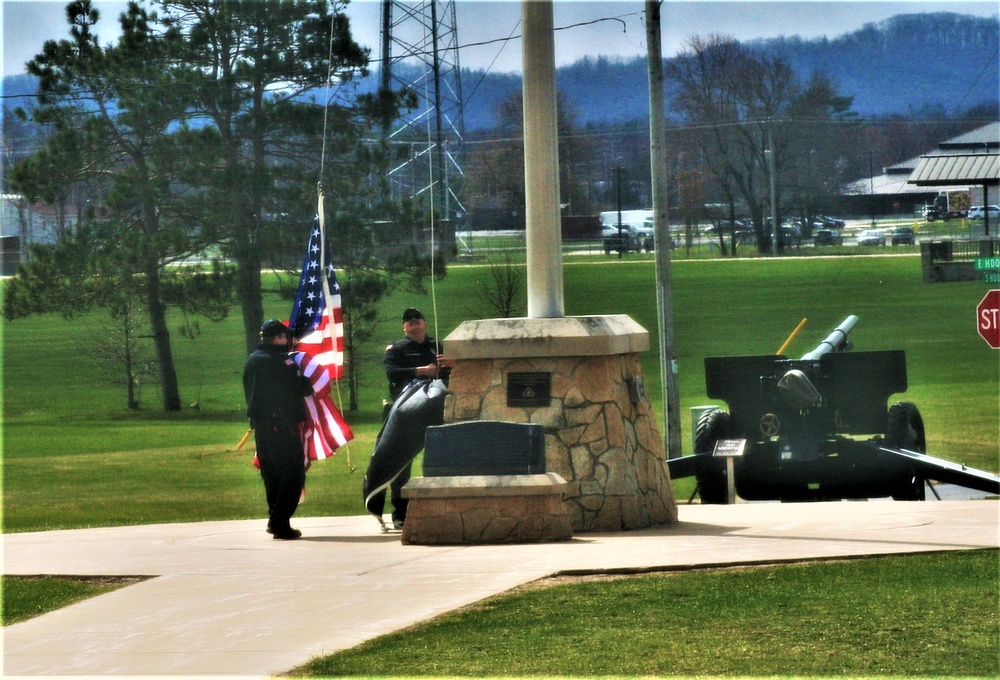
(191, 137)
(746, 117)
(206, 129)
(943, 60)
(748, 136)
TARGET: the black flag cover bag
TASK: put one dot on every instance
(419, 406)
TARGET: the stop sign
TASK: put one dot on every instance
(988, 318)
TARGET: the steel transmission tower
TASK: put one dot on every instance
(419, 42)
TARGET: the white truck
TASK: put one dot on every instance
(948, 205)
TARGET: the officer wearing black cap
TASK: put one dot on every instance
(274, 392)
(417, 356)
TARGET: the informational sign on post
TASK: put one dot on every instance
(730, 449)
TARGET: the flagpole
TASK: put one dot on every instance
(321, 213)
(325, 281)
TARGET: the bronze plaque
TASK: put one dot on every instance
(529, 389)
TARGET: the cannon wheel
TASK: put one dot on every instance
(904, 429)
(712, 426)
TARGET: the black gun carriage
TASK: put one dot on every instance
(816, 428)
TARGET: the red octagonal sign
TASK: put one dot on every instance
(988, 318)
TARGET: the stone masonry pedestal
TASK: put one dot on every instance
(491, 509)
(580, 377)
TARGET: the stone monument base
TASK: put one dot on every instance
(486, 509)
(581, 379)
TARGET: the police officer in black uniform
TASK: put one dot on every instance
(274, 392)
(417, 356)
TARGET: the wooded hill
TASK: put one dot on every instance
(907, 64)
(912, 63)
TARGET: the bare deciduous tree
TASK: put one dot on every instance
(502, 286)
(752, 118)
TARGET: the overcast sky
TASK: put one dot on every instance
(617, 28)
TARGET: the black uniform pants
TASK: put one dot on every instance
(399, 504)
(282, 467)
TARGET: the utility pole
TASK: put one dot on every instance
(661, 234)
(618, 202)
(775, 227)
(871, 182)
(427, 163)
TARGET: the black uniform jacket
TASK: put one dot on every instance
(403, 357)
(273, 387)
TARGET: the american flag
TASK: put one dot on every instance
(318, 322)
(317, 318)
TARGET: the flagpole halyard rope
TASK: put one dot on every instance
(327, 295)
(431, 147)
(326, 107)
(321, 213)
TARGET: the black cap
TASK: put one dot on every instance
(272, 328)
(412, 313)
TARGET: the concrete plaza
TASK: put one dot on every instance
(224, 599)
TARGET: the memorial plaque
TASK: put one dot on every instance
(484, 447)
(529, 389)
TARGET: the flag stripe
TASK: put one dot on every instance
(318, 322)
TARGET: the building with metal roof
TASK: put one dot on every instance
(954, 169)
(970, 161)
(980, 140)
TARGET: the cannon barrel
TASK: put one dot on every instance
(835, 342)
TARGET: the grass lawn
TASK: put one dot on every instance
(74, 457)
(27, 596)
(931, 615)
(920, 615)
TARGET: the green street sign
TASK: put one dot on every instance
(991, 277)
(987, 263)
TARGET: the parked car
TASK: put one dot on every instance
(825, 221)
(644, 235)
(871, 237)
(903, 236)
(647, 233)
(977, 212)
(727, 226)
(827, 237)
(791, 235)
(628, 241)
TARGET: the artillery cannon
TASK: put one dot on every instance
(799, 423)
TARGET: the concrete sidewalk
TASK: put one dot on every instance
(226, 599)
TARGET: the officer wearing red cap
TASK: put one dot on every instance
(274, 392)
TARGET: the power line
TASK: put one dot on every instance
(426, 53)
(989, 60)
